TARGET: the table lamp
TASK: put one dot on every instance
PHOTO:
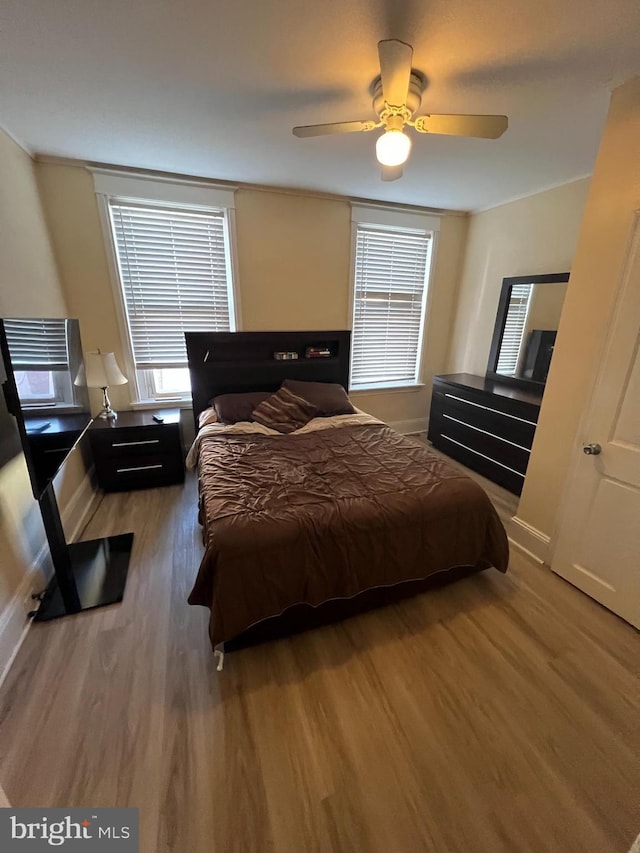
(101, 371)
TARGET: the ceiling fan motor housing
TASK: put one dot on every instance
(414, 95)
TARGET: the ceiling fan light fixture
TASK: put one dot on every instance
(392, 148)
(397, 96)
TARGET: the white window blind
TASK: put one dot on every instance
(390, 289)
(175, 275)
(38, 344)
(514, 329)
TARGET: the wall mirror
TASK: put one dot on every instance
(525, 331)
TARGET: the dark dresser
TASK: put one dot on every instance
(484, 424)
(136, 452)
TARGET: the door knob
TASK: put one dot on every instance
(592, 449)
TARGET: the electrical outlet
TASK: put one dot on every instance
(32, 602)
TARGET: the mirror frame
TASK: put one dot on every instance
(501, 319)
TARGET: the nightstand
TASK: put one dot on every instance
(135, 452)
(51, 437)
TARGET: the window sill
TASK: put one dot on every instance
(41, 409)
(387, 389)
(179, 403)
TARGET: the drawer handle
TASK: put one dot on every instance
(138, 468)
(134, 443)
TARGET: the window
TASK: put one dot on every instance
(514, 329)
(172, 254)
(391, 270)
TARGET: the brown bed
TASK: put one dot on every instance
(308, 527)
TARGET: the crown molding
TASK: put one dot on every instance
(175, 177)
(530, 195)
(17, 141)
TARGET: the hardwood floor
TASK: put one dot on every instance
(496, 714)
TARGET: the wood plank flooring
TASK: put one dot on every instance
(496, 714)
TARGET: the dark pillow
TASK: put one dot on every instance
(328, 397)
(284, 411)
(231, 408)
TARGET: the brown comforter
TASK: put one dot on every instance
(322, 515)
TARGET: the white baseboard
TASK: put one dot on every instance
(533, 542)
(406, 427)
(14, 622)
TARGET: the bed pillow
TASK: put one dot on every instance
(232, 408)
(284, 411)
(329, 398)
(208, 416)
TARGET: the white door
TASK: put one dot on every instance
(598, 546)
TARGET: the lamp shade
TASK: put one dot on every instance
(102, 371)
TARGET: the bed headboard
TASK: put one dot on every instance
(227, 362)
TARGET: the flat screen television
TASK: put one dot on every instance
(45, 390)
(45, 394)
(10, 443)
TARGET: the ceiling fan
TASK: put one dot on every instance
(397, 95)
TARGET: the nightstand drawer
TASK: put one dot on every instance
(139, 472)
(135, 442)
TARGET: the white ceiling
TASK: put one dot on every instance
(213, 88)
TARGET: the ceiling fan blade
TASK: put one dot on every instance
(486, 127)
(391, 173)
(395, 70)
(336, 127)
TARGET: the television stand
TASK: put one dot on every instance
(87, 574)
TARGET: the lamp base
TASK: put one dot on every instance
(107, 412)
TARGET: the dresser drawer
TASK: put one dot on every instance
(477, 461)
(484, 416)
(497, 449)
(496, 402)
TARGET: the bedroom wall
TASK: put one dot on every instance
(293, 260)
(71, 211)
(29, 286)
(294, 257)
(614, 198)
(533, 235)
(29, 283)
